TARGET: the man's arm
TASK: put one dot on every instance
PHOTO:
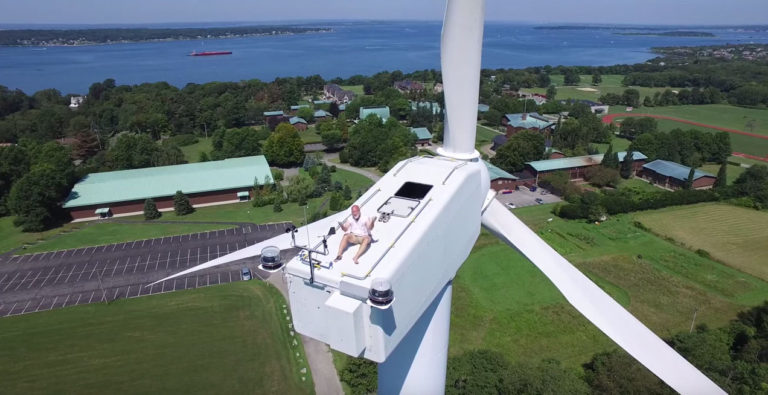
(371, 222)
(344, 226)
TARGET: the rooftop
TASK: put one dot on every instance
(675, 170)
(298, 106)
(272, 113)
(295, 120)
(497, 173)
(154, 182)
(483, 107)
(322, 113)
(578, 161)
(421, 133)
(382, 112)
(529, 120)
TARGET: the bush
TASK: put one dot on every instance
(150, 210)
(181, 204)
(360, 375)
(343, 156)
(277, 174)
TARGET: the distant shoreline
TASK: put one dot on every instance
(93, 37)
(670, 34)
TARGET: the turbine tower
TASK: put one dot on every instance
(394, 306)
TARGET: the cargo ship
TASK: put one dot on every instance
(210, 53)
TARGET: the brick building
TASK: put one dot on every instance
(673, 175)
(121, 193)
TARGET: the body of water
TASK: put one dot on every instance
(352, 48)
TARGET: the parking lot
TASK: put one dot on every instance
(48, 280)
(524, 197)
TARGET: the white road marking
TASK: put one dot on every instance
(188, 252)
(163, 288)
(115, 297)
(25, 307)
(54, 301)
(11, 282)
(11, 310)
(47, 277)
(65, 301)
(91, 298)
(142, 243)
(217, 251)
(258, 227)
(59, 276)
(70, 273)
(1, 279)
(113, 269)
(38, 306)
(78, 298)
(33, 281)
(185, 282)
(198, 254)
(92, 271)
(81, 273)
(230, 276)
(22, 281)
(174, 284)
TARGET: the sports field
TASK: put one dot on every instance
(586, 91)
(502, 302)
(215, 340)
(735, 235)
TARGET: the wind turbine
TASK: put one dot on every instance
(394, 307)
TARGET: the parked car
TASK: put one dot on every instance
(246, 274)
(511, 205)
(506, 191)
(533, 188)
(539, 201)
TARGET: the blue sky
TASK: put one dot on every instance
(552, 11)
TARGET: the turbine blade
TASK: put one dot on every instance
(598, 307)
(282, 242)
(460, 60)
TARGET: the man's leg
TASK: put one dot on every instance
(343, 246)
(363, 246)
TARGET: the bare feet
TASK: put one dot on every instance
(338, 258)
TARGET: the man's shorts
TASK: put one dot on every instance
(355, 239)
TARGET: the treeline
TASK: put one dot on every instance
(735, 357)
(690, 147)
(101, 36)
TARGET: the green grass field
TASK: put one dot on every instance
(638, 184)
(484, 135)
(232, 338)
(734, 235)
(358, 89)
(192, 152)
(739, 143)
(619, 144)
(586, 91)
(502, 302)
(732, 171)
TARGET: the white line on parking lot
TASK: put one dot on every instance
(115, 297)
(113, 269)
(11, 282)
(82, 271)
(65, 301)
(33, 281)
(217, 251)
(22, 281)
(142, 243)
(174, 284)
(188, 252)
(258, 227)
(41, 303)
(70, 273)
(47, 276)
(207, 279)
(140, 288)
(12, 307)
(78, 298)
(230, 276)
(196, 281)
(185, 282)
(1, 279)
(89, 299)
(59, 276)
(93, 270)
(163, 288)
(113, 247)
(208, 255)
(54, 301)
(25, 307)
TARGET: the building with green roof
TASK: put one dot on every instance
(423, 136)
(123, 192)
(382, 112)
(500, 179)
(576, 166)
(672, 175)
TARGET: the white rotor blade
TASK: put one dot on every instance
(460, 60)
(282, 242)
(598, 307)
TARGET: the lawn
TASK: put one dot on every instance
(94, 234)
(358, 89)
(619, 144)
(223, 339)
(310, 136)
(732, 171)
(611, 84)
(638, 184)
(502, 302)
(734, 235)
(739, 143)
(484, 135)
(723, 115)
(192, 152)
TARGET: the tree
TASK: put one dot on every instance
(422, 116)
(360, 375)
(168, 154)
(597, 78)
(306, 113)
(347, 193)
(203, 157)
(493, 117)
(571, 77)
(235, 143)
(336, 202)
(753, 183)
(631, 97)
(334, 109)
(610, 159)
(299, 188)
(86, 145)
(150, 210)
(277, 207)
(690, 178)
(181, 204)
(332, 139)
(477, 372)
(647, 102)
(551, 92)
(284, 147)
(522, 147)
(35, 197)
(627, 166)
(722, 176)
(372, 143)
(616, 372)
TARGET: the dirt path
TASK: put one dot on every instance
(610, 117)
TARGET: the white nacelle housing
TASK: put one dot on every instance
(433, 222)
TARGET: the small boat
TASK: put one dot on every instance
(210, 53)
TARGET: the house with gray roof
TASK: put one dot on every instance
(577, 166)
(526, 121)
(671, 175)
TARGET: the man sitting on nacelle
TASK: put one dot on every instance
(358, 232)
